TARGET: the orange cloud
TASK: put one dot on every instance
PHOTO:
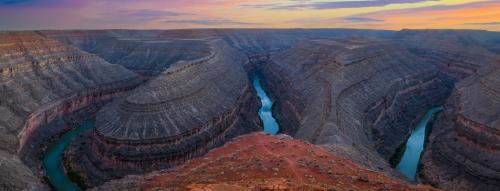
(161, 14)
(442, 16)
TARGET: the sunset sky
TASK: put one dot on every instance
(169, 14)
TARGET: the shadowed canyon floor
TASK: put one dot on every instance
(162, 99)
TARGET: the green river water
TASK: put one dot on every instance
(52, 160)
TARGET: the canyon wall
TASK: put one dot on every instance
(355, 92)
(41, 81)
(187, 110)
(354, 96)
(463, 151)
(265, 41)
(141, 51)
(456, 53)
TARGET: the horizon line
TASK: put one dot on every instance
(245, 28)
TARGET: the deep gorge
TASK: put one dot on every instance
(355, 96)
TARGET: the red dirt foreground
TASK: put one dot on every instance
(263, 162)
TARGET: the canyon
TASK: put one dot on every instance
(160, 100)
(463, 152)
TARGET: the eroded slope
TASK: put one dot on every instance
(464, 150)
(263, 162)
(141, 51)
(458, 53)
(41, 81)
(354, 96)
(189, 109)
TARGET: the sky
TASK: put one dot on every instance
(173, 14)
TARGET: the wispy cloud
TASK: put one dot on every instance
(420, 10)
(12, 2)
(34, 3)
(96, 14)
(486, 23)
(149, 13)
(331, 5)
(210, 22)
(140, 15)
(335, 20)
(474, 15)
(361, 19)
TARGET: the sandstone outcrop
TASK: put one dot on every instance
(41, 81)
(187, 110)
(354, 96)
(463, 151)
(263, 162)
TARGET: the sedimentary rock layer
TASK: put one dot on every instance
(187, 110)
(259, 41)
(141, 51)
(354, 96)
(464, 152)
(264, 162)
(457, 53)
(41, 80)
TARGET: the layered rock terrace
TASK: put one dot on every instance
(187, 110)
(464, 147)
(42, 80)
(354, 92)
(354, 96)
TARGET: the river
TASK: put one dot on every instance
(270, 124)
(52, 160)
(415, 145)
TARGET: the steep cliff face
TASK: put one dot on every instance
(42, 80)
(189, 109)
(264, 162)
(141, 51)
(355, 96)
(464, 152)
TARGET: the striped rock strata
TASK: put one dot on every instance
(42, 80)
(141, 51)
(187, 110)
(354, 96)
(464, 146)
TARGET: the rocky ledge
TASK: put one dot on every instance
(262, 162)
(189, 109)
(464, 146)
